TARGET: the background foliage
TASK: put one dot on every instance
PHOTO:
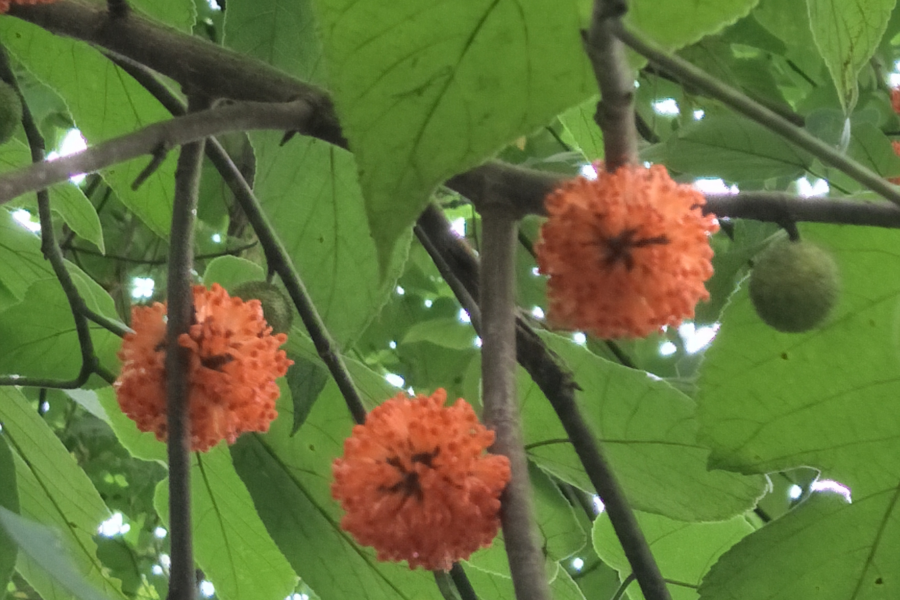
(722, 447)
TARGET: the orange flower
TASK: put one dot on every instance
(896, 146)
(234, 362)
(895, 99)
(416, 485)
(4, 4)
(627, 253)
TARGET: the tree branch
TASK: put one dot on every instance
(241, 116)
(501, 411)
(180, 315)
(615, 111)
(689, 74)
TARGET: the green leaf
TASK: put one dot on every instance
(306, 379)
(44, 329)
(825, 549)
(425, 91)
(579, 122)
(847, 34)
(9, 500)
(497, 587)
(675, 23)
(230, 542)
(683, 551)
(53, 491)
(280, 33)
(788, 21)
(42, 545)
(770, 401)
(289, 479)
(648, 433)
(21, 261)
(310, 192)
(449, 333)
(231, 271)
(733, 148)
(104, 102)
(139, 444)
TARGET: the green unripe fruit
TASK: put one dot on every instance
(277, 308)
(794, 285)
(10, 111)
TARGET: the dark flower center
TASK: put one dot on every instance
(216, 362)
(409, 484)
(619, 248)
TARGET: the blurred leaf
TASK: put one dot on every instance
(579, 122)
(733, 148)
(449, 333)
(648, 431)
(231, 271)
(675, 23)
(42, 545)
(104, 103)
(177, 13)
(847, 34)
(427, 93)
(9, 500)
(21, 261)
(825, 549)
(231, 543)
(309, 190)
(683, 551)
(55, 492)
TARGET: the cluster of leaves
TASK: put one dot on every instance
(425, 91)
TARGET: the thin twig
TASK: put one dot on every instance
(180, 315)
(501, 411)
(53, 254)
(689, 74)
(241, 116)
(462, 583)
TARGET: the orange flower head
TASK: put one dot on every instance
(4, 4)
(895, 99)
(416, 485)
(627, 253)
(895, 144)
(234, 361)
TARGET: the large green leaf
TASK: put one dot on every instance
(310, 192)
(281, 33)
(177, 13)
(648, 432)
(230, 541)
(730, 147)
(495, 587)
(826, 399)
(676, 23)
(54, 491)
(683, 551)
(21, 261)
(427, 90)
(44, 330)
(104, 102)
(289, 479)
(825, 549)
(847, 34)
(9, 499)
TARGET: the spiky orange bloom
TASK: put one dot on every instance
(4, 4)
(415, 482)
(895, 99)
(896, 146)
(627, 253)
(234, 361)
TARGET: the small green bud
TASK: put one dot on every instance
(794, 286)
(277, 307)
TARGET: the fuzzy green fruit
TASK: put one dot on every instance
(10, 111)
(277, 308)
(794, 285)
